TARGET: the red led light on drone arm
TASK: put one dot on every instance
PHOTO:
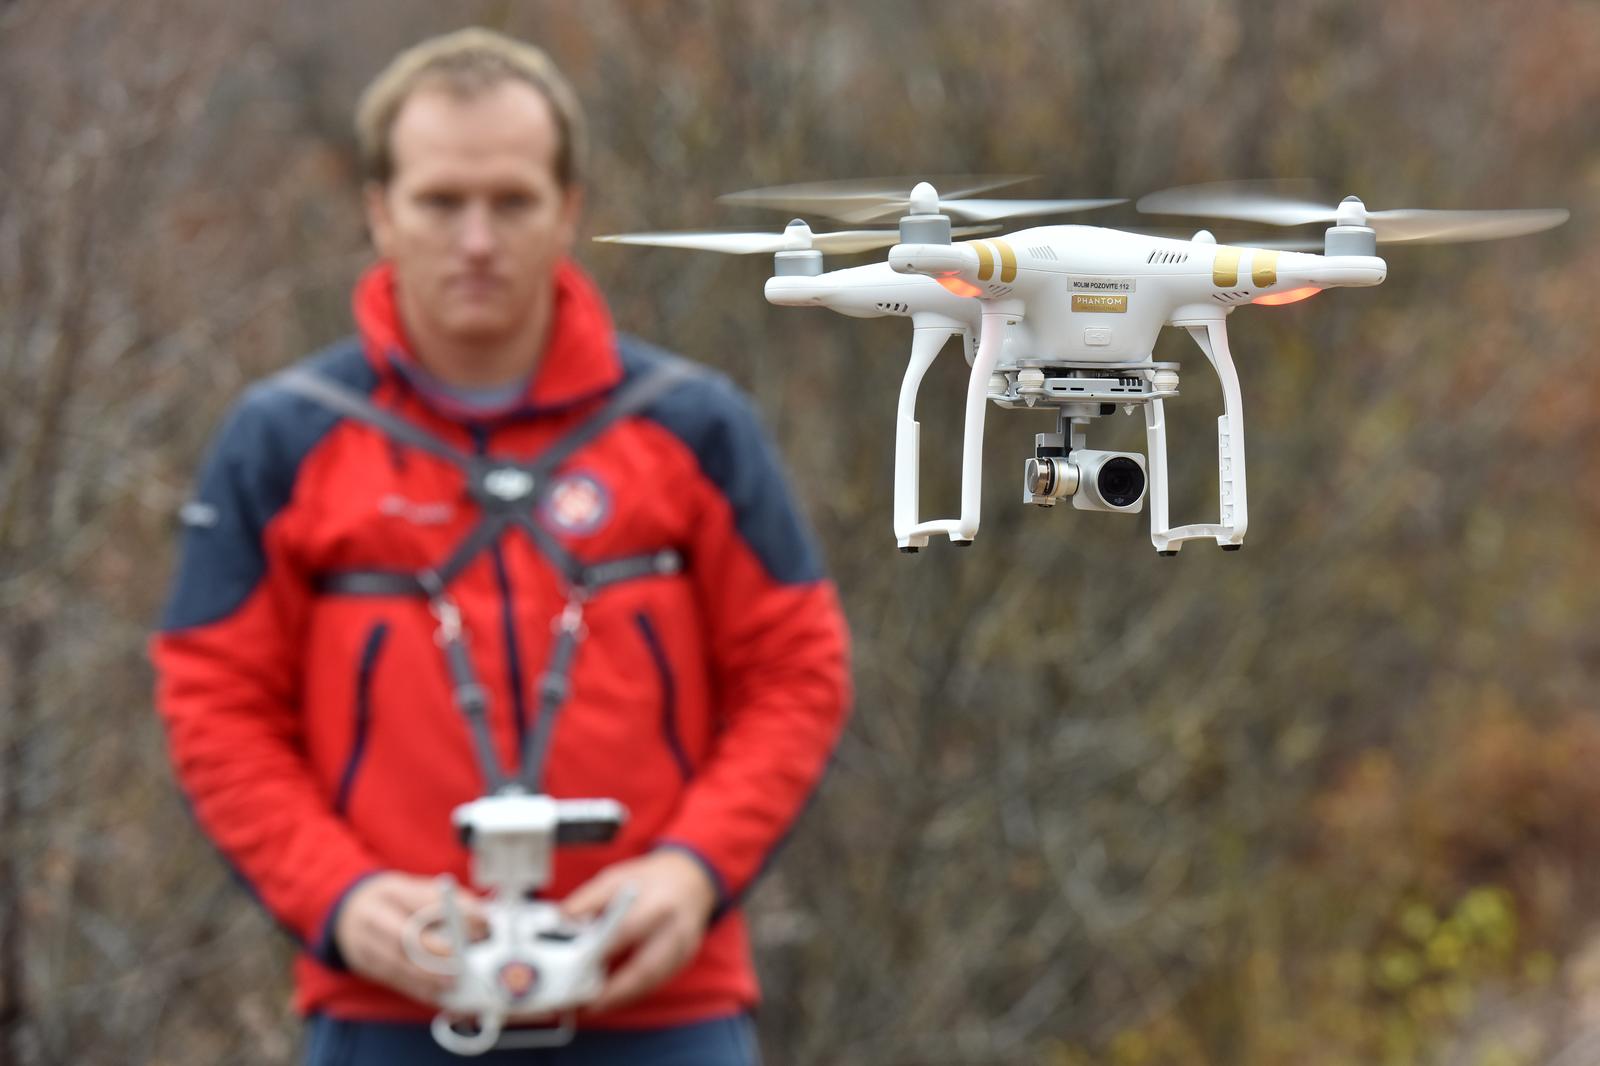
(959, 287)
(1292, 296)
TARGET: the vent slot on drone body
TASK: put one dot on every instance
(892, 306)
(996, 291)
(1043, 251)
(1158, 256)
(1096, 385)
(1229, 297)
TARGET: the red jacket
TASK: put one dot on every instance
(315, 735)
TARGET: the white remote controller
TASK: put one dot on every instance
(534, 960)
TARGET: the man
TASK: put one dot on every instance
(313, 721)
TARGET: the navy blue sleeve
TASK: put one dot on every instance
(247, 478)
(720, 425)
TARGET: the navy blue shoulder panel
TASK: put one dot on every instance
(247, 478)
(718, 423)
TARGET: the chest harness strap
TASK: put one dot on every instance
(509, 492)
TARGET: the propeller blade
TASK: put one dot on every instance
(839, 242)
(1295, 203)
(845, 241)
(1273, 202)
(1282, 244)
(1276, 243)
(989, 210)
(864, 200)
(1412, 225)
(708, 241)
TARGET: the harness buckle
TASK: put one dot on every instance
(508, 484)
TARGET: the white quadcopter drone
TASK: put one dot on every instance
(1067, 317)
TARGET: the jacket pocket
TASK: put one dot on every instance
(669, 694)
(365, 668)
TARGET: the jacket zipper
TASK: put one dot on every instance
(669, 694)
(364, 671)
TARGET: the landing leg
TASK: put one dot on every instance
(1213, 340)
(997, 316)
(926, 342)
(1212, 337)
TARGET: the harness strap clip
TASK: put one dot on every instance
(448, 615)
(570, 620)
(472, 699)
(554, 689)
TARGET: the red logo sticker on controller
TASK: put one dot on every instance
(518, 979)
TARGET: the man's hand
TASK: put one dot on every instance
(663, 928)
(368, 932)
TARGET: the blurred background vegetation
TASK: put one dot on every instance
(1331, 800)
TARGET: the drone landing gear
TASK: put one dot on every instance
(1212, 337)
(928, 337)
(1081, 392)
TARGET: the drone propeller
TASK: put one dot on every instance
(1296, 203)
(1275, 243)
(1280, 244)
(796, 237)
(879, 200)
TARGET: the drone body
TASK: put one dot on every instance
(1093, 295)
(1067, 317)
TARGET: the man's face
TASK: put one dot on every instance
(474, 218)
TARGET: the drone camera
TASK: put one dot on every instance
(1109, 481)
(1096, 481)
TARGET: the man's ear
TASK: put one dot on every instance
(379, 223)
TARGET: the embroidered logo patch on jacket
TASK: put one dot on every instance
(576, 504)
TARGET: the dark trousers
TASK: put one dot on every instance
(727, 1041)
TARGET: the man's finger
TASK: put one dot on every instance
(412, 979)
(473, 913)
(641, 921)
(410, 893)
(477, 925)
(387, 960)
(591, 897)
(399, 906)
(434, 942)
(656, 959)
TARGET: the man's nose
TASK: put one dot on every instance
(477, 234)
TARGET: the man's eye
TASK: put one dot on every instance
(509, 203)
(441, 201)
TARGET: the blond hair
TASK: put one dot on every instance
(466, 63)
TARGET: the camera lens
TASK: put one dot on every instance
(1120, 482)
